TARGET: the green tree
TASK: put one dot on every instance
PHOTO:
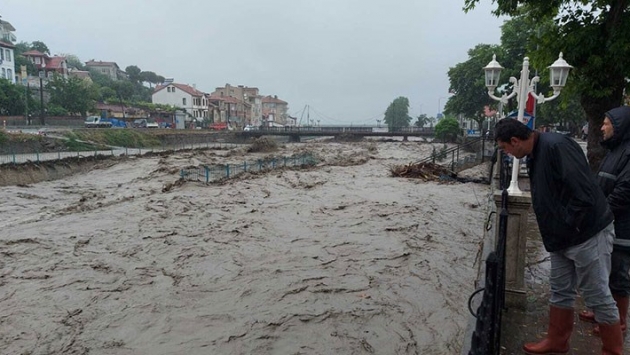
(422, 120)
(467, 81)
(447, 129)
(73, 61)
(11, 99)
(40, 46)
(593, 39)
(397, 114)
(134, 73)
(21, 60)
(149, 77)
(73, 94)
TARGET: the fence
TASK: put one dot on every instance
(219, 172)
(486, 339)
(455, 153)
(37, 157)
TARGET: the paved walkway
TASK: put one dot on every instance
(529, 325)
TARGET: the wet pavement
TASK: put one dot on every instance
(521, 326)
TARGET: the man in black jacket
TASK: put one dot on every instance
(576, 227)
(614, 179)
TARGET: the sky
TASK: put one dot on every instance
(347, 60)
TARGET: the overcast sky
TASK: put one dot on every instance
(347, 59)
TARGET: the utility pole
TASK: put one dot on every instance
(42, 120)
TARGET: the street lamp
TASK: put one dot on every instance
(42, 73)
(559, 72)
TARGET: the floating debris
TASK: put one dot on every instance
(426, 171)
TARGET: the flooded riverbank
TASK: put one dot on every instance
(340, 258)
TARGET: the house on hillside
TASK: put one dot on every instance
(187, 97)
(109, 69)
(47, 64)
(7, 64)
(7, 57)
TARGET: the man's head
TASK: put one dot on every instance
(607, 129)
(513, 137)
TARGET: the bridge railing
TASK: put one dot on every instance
(346, 129)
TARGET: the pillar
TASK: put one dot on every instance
(515, 246)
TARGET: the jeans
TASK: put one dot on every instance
(619, 277)
(585, 267)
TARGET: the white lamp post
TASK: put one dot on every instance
(559, 72)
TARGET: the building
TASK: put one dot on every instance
(110, 69)
(183, 96)
(49, 65)
(246, 110)
(7, 57)
(275, 110)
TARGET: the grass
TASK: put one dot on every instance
(115, 137)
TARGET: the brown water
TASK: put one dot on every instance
(337, 259)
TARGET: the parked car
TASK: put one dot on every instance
(97, 122)
(152, 124)
(140, 123)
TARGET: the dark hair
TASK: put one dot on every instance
(507, 128)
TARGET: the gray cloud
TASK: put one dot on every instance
(348, 59)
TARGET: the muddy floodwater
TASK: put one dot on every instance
(340, 258)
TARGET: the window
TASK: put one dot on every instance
(173, 89)
(1, 54)
(10, 74)
(4, 73)
(38, 60)
(184, 101)
(8, 55)
(168, 89)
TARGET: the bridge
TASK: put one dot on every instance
(294, 133)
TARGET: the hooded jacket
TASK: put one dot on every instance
(570, 207)
(614, 174)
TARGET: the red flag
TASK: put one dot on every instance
(530, 106)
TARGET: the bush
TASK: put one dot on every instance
(447, 129)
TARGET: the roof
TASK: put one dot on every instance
(34, 53)
(83, 74)
(100, 63)
(7, 25)
(55, 62)
(186, 88)
(272, 100)
(228, 99)
(6, 44)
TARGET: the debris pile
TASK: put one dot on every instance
(427, 171)
(263, 145)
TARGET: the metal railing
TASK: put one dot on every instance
(213, 173)
(486, 338)
(38, 157)
(454, 154)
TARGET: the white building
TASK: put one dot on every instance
(7, 57)
(183, 96)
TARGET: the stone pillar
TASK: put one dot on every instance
(515, 246)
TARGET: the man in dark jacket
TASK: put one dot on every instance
(576, 227)
(614, 179)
